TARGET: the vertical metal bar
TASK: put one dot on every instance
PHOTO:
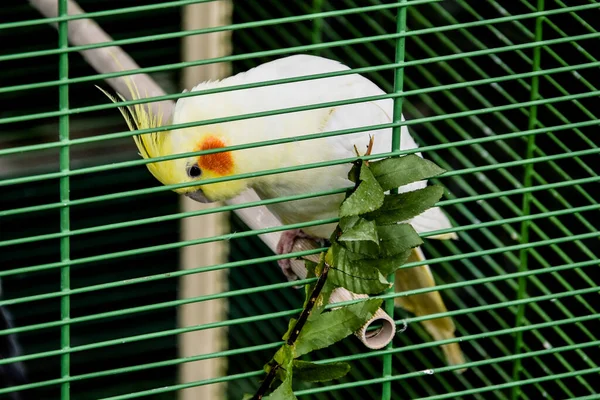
(527, 198)
(65, 244)
(386, 393)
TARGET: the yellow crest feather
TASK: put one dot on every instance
(150, 145)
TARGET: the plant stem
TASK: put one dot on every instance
(266, 384)
(314, 295)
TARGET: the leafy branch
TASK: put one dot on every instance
(372, 240)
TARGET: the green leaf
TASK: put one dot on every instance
(363, 230)
(310, 268)
(352, 173)
(248, 396)
(397, 239)
(387, 265)
(284, 358)
(283, 391)
(365, 280)
(310, 273)
(392, 173)
(367, 197)
(361, 269)
(347, 223)
(329, 256)
(353, 276)
(362, 249)
(291, 325)
(404, 206)
(324, 295)
(322, 300)
(361, 238)
(311, 372)
(335, 325)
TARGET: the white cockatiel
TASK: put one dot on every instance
(288, 125)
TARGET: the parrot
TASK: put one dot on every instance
(222, 105)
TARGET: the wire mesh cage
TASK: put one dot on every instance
(115, 288)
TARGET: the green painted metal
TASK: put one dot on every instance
(527, 198)
(562, 254)
(65, 216)
(509, 113)
(400, 49)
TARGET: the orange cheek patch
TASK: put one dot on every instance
(219, 163)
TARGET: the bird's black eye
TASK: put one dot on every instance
(194, 171)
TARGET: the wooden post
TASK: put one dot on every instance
(197, 47)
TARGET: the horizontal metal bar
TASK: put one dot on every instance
(404, 64)
(175, 274)
(352, 101)
(373, 354)
(365, 355)
(516, 163)
(238, 235)
(136, 338)
(506, 221)
(472, 364)
(521, 190)
(171, 217)
(187, 301)
(285, 227)
(62, 380)
(440, 288)
(466, 338)
(289, 169)
(286, 51)
(181, 3)
(353, 384)
(98, 14)
(516, 247)
(168, 246)
(502, 304)
(363, 70)
(112, 166)
(420, 32)
(176, 361)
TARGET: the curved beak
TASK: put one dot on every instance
(198, 196)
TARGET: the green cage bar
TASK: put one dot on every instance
(396, 135)
(503, 95)
(65, 217)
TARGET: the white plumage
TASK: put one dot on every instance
(328, 119)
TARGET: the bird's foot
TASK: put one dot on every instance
(286, 245)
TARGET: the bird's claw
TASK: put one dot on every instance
(285, 246)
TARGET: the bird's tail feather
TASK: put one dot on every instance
(432, 220)
(426, 304)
